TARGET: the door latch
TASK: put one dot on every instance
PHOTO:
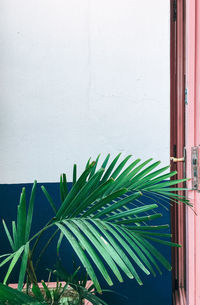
(195, 167)
(177, 159)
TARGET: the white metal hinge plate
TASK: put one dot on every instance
(195, 167)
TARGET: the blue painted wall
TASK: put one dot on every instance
(155, 291)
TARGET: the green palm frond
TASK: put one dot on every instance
(105, 220)
(19, 242)
(101, 225)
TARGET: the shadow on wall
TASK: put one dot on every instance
(155, 291)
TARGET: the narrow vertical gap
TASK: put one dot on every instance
(173, 140)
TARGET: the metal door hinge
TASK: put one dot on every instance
(186, 96)
(195, 167)
(174, 10)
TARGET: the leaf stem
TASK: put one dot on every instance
(44, 248)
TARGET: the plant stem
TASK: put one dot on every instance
(40, 234)
(45, 247)
(31, 271)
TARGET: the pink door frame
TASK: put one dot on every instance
(177, 145)
(193, 139)
(185, 130)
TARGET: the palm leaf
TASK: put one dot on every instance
(79, 251)
(94, 167)
(100, 245)
(89, 249)
(110, 168)
(49, 198)
(62, 212)
(106, 208)
(74, 173)
(21, 219)
(105, 162)
(78, 201)
(23, 267)
(8, 235)
(30, 211)
(14, 260)
(105, 221)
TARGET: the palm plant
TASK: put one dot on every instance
(74, 291)
(103, 219)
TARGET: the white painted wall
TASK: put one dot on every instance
(79, 77)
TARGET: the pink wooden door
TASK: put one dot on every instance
(185, 131)
(193, 140)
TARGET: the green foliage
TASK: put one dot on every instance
(103, 219)
(10, 296)
(79, 282)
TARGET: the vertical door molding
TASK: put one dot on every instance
(177, 144)
(193, 139)
(185, 126)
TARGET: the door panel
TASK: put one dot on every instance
(193, 140)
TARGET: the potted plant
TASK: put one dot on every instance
(74, 289)
(102, 218)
